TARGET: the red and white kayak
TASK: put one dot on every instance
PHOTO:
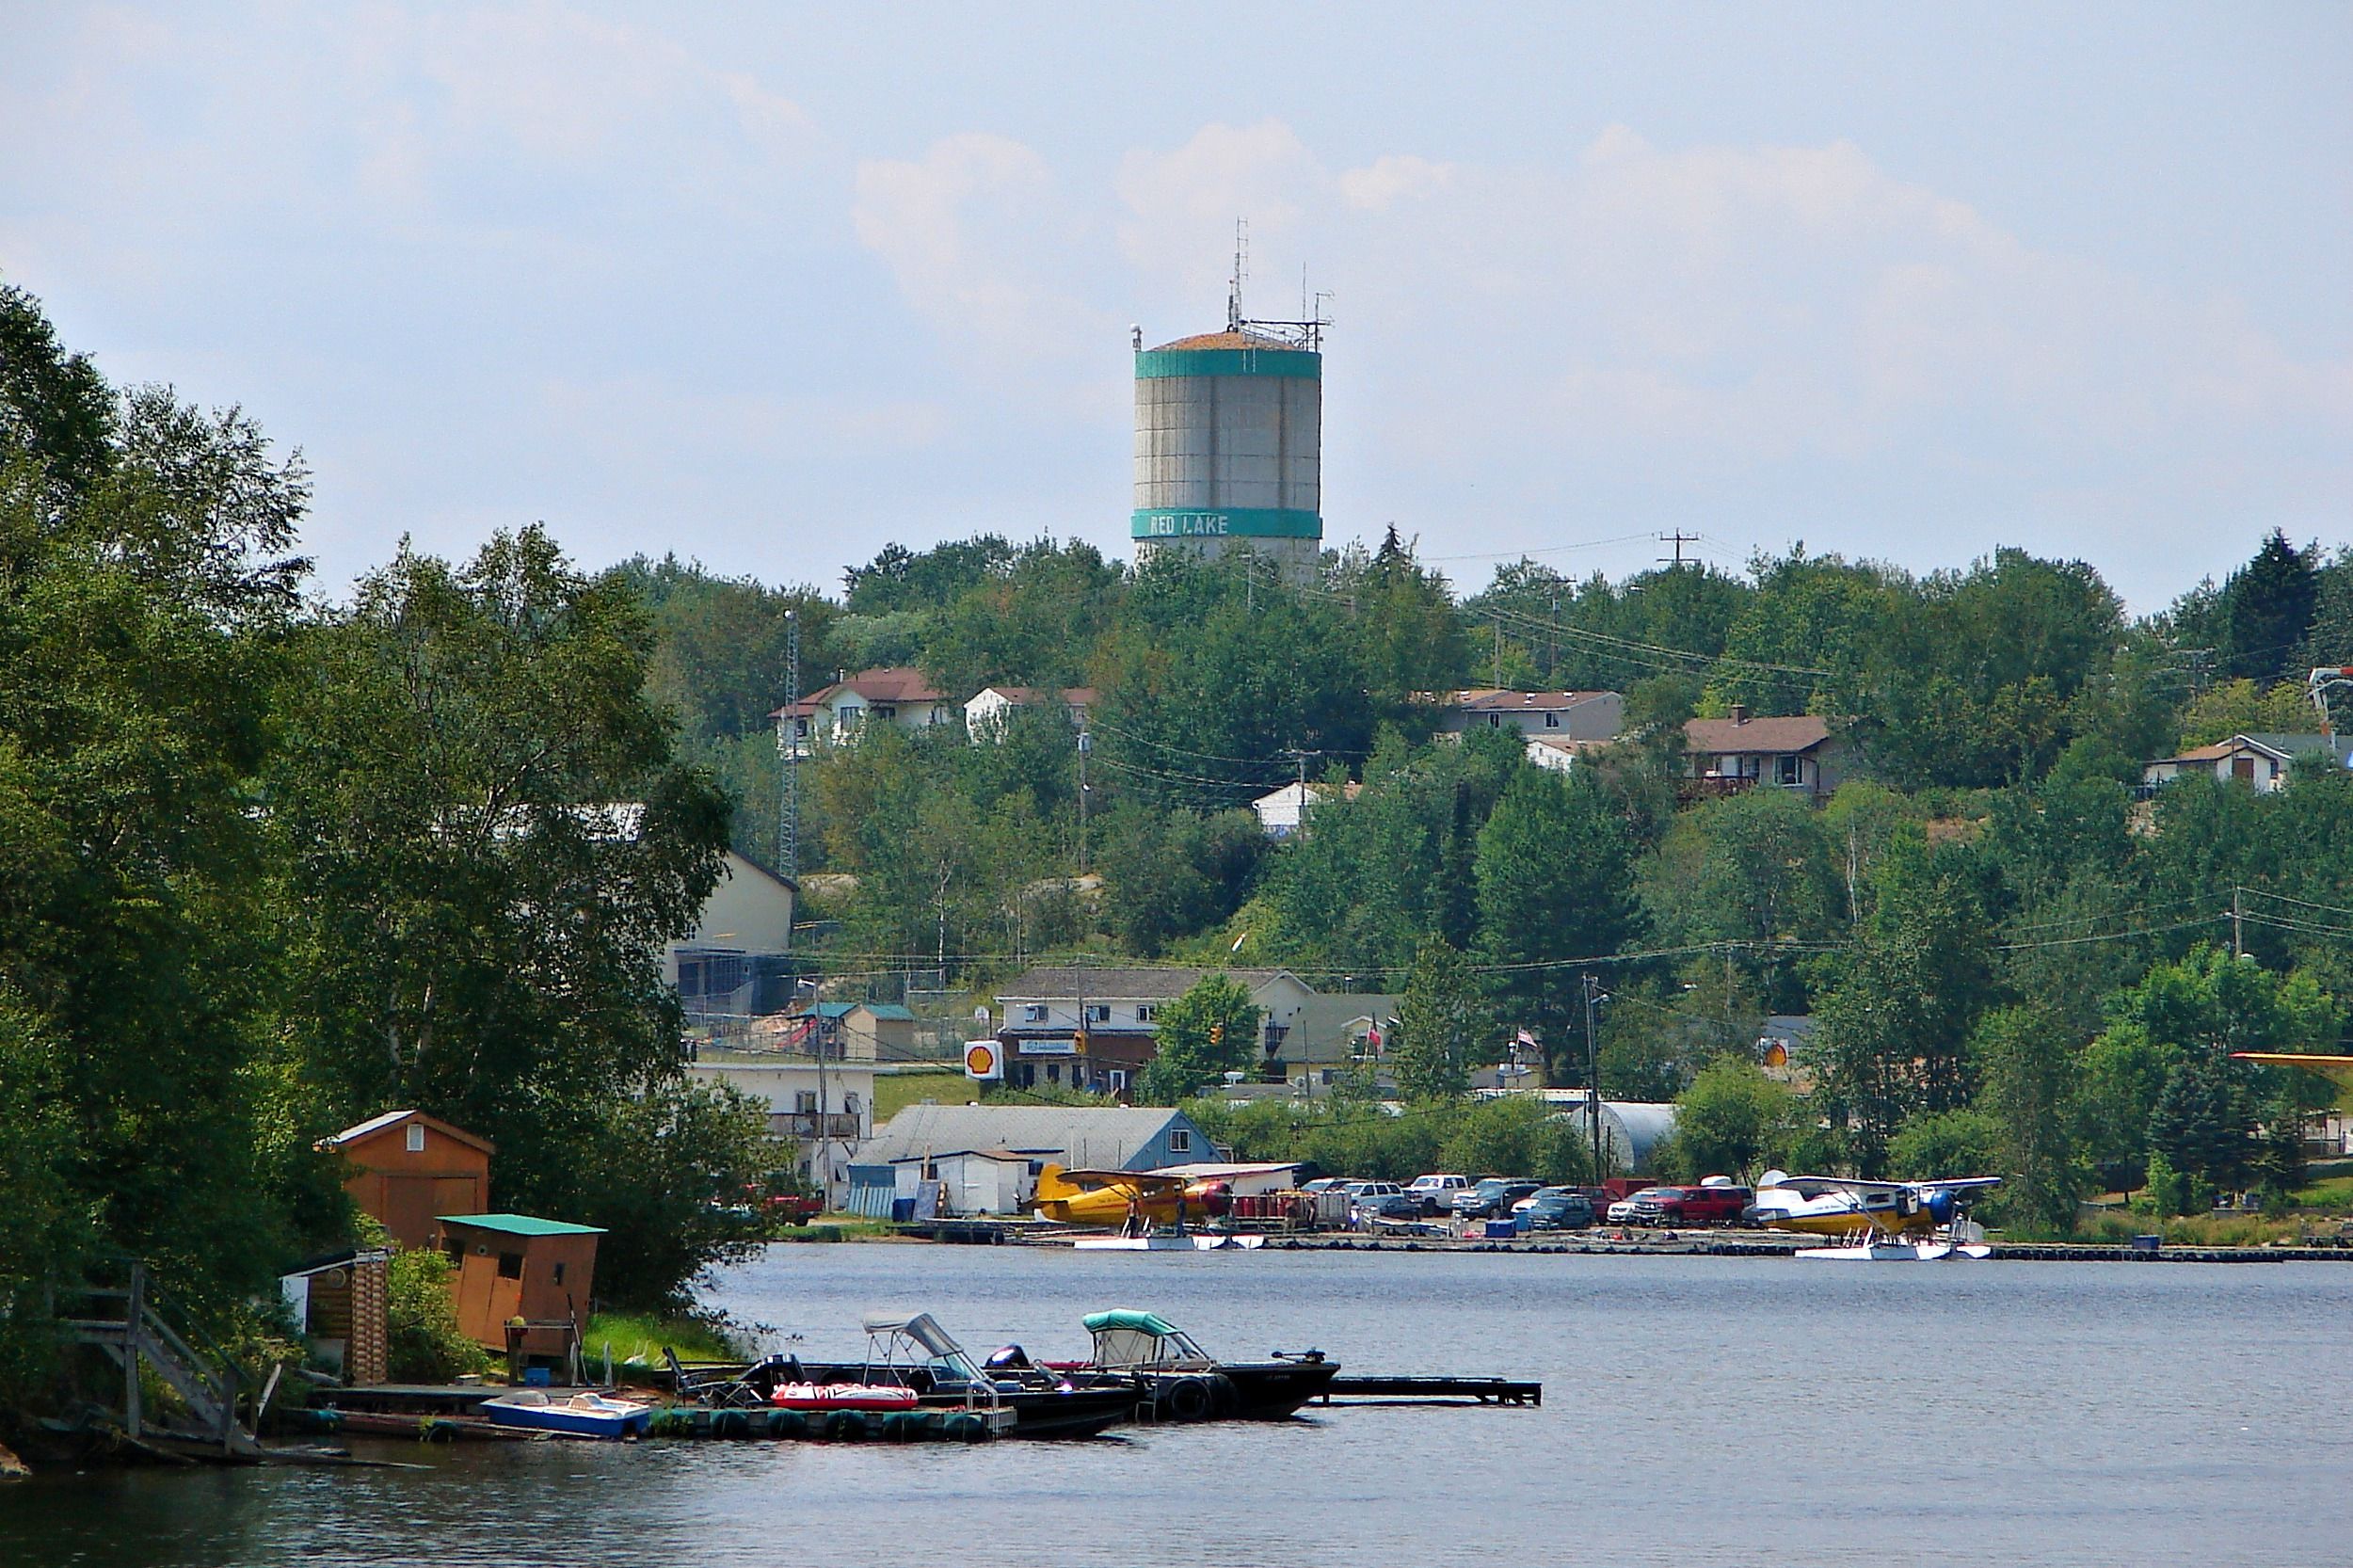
(842, 1396)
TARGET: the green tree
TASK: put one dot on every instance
(1894, 1027)
(2028, 1074)
(1441, 1024)
(1733, 1119)
(1945, 1142)
(1204, 1034)
(1553, 882)
(2267, 607)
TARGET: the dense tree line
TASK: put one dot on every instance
(269, 865)
(1963, 921)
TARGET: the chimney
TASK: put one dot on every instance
(1739, 712)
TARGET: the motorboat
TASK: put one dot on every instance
(582, 1415)
(1184, 1383)
(911, 1354)
(1196, 1240)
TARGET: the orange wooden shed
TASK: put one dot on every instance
(513, 1265)
(408, 1167)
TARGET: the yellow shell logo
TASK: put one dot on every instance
(979, 1061)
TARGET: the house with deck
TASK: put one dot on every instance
(1804, 752)
(2263, 761)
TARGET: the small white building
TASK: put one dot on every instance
(2261, 761)
(1283, 813)
(970, 1182)
(986, 711)
(1560, 753)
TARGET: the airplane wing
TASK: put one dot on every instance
(1142, 1181)
(1815, 1187)
(2337, 1067)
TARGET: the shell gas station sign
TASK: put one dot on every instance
(983, 1059)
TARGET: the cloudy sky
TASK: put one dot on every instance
(772, 285)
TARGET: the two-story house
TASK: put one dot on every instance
(1095, 1030)
(835, 714)
(1725, 756)
(820, 1103)
(737, 961)
(1569, 715)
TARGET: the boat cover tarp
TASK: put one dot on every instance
(1128, 1318)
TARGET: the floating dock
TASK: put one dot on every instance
(1463, 1390)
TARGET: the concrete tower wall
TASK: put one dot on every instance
(1230, 436)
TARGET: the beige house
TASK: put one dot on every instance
(734, 962)
(1096, 1028)
(1725, 756)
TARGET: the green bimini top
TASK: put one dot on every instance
(519, 1224)
(1128, 1318)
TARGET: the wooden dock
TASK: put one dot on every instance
(1500, 1391)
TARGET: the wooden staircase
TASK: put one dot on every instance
(206, 1381)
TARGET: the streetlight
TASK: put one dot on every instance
(1594, 997)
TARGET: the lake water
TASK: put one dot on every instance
(1696, 1411)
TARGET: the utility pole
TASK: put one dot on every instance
(788, 755)
(1678, 538)
(1498, 669)
(2238, 939)
(1592, 1071)
(1086, 743)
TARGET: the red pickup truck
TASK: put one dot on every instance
(1691, 1205)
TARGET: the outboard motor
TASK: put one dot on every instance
(1010, 1358)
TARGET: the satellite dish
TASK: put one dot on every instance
(979, 1015)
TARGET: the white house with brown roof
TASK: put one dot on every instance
(1283, 813)
(831, 715)
(2261, 761)
(987, 710)
(1801, 751)
(1569, 715)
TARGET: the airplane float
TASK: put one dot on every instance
(1885, 1222)
(1134, 1203)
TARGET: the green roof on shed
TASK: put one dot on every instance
(519, 1224)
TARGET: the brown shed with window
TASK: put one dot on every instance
(517, 1266)
(407, 1167)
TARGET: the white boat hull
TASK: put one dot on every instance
(1897, 1252)
(1169, 1243)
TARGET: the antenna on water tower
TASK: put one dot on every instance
(1242, 274)
(789, 754)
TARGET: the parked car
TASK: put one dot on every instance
(1627, 1210)
(1560, 1211)
(1492, 1199)
(1323, 1184)
(1436, 1191)
(1690, 1206)
(1363, 1195)
(1396, 1206)
(1538, 1196)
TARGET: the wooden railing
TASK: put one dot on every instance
(206, 1381)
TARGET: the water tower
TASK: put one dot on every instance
(1229, 441)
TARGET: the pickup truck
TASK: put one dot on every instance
(1435, 1193)
(1690, 1205)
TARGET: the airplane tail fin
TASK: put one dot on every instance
(1051, 1185)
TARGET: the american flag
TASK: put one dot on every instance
(1524, 1038)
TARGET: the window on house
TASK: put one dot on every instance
(510, 1265)
(1789, 770)
(805, 1101)
(1494, 721)
(416, 1138)
(558, 1273)
(1146, 1014)
(1117, 1080)
(1035, 1013)
(931, 1170)
(1179, 1141)
(1053, 1072)
(1098, 1013)
(1552, 721)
